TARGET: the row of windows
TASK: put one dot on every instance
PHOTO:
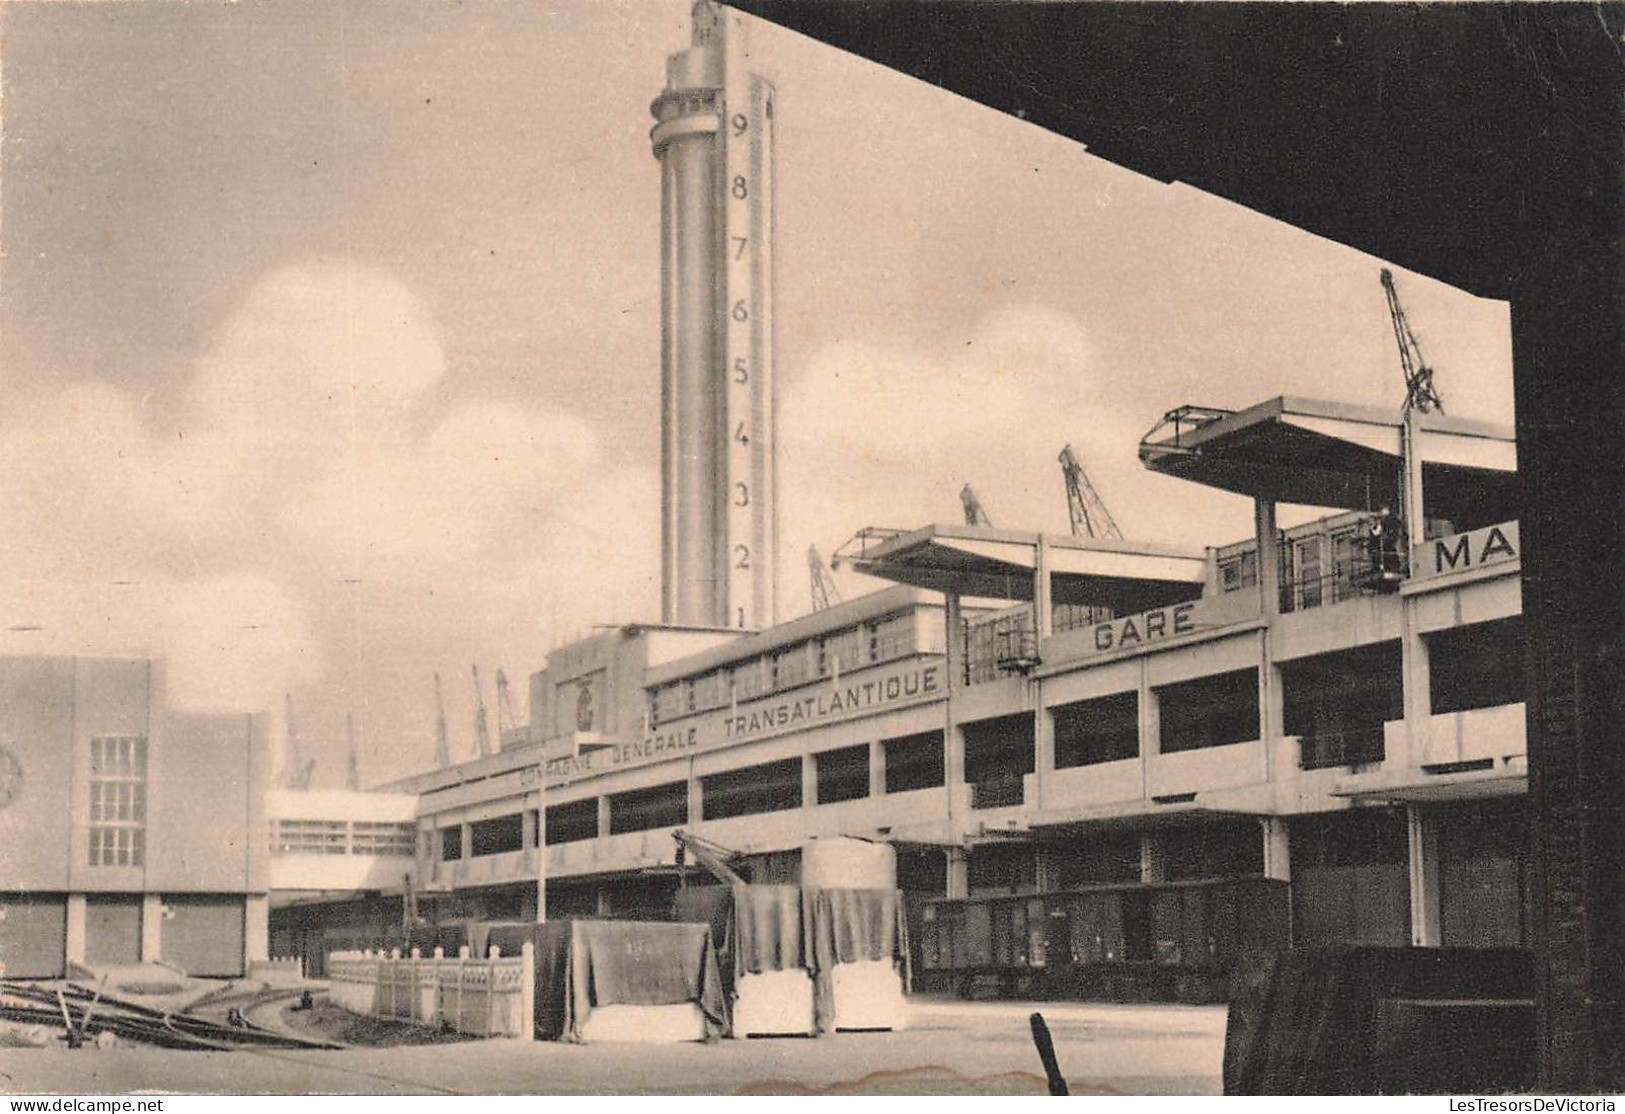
(912, 762)
(340, 837)
(841, 651)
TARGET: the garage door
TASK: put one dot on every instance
(33, 935)
(112, 930)
(203, 935)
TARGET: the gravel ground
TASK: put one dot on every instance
(951, 1048)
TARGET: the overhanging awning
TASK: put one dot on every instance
(1243, 801)
(984, 562)
(1420, 787)
(1328, 454)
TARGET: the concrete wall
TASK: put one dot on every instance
(207, 827)
(37, 732)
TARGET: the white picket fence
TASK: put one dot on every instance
(491, 997)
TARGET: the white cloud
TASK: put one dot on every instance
(320, 445)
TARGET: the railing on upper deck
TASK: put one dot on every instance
(1357, 746)
(1007, 642)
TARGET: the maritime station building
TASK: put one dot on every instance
(1107, 767)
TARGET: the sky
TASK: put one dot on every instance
(330, 350)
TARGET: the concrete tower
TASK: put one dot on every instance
(714, 140)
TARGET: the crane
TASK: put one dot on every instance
(298, 770)
(352, 776)
(1419, 391)
(975, 513)
(482, 729)
(442, 749)
(1090, 518)
(824, 589)
(506, 720)
(712, 856)
(1389, 547)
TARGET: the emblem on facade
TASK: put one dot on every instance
(584, 708)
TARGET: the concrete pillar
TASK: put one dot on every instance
(76, 928)
(1044, 872)
(1043, 611)
(809, 781)
(468, 841)
(1268, 538)
(152, 928)
(256, 928)
(603, 816)
(877, 769)
(953, 744)
(696, 797)
(1153, 859)
(1277, 849)
(1150, 727)
(1043, 745)
(1424, 877)
(601, 899)
(1416, 678)
(1271, 709)
(1413, 511)
(958, 872)
(528, 824)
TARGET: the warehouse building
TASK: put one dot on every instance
(1143, 764)
(133, 833)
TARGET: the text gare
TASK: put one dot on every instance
(1139, 629)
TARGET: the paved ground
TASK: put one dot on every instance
(952, 1048)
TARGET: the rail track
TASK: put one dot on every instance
(81, 1013)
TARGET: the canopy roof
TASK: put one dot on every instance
(989, 563)
(1327, 454)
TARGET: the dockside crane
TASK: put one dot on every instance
(1390, 547)
(712, 856)
(442, 748)
(824, 589)
(506, 719)
(975, 513)
(1420, 394)
(298, 769)
(352, 774)
(1090, 518)
(482, 727)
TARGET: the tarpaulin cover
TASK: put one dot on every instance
(1322, 1022)
(779, 928)
(427, 937)
(583, 964)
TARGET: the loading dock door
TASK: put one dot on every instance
(33, 935)
(112, 930)
(203, 935)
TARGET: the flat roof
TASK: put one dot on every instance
(749, 644)
(990, 563)
(1333, 454)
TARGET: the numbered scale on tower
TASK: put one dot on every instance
(747, 307)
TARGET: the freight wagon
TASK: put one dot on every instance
(1175, 941)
